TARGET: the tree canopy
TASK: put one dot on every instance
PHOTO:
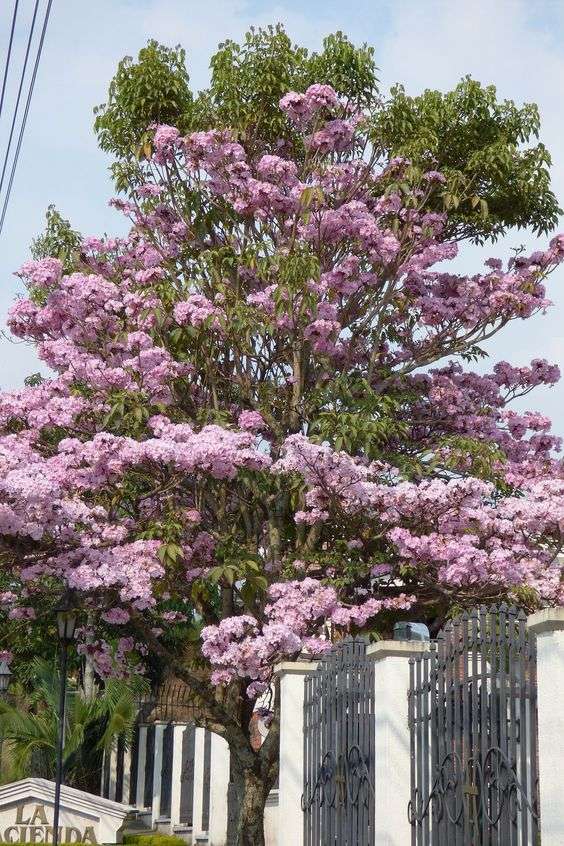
(497, 171)
(263, 430)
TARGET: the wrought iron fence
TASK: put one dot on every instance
(472, 713)
(171, 702)
(338, 797)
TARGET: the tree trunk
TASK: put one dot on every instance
(247, 824)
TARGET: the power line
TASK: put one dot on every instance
(27, 105)
(5, 79)
(20, 88)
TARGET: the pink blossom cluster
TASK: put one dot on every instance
(451, 532)
(242, 647)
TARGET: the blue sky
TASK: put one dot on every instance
(515, 45)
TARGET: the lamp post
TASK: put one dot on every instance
(66, 624)
(5, 676)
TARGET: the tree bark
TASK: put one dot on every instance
(252, 793)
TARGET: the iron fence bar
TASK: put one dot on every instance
(485, 733)
(505, 814)
(307, 774)
(533, 769)
(315, 753)
(522, 622)
(494, 719)
(420, 752)
(469, 787)
(458, 732)
(438, 740)
(326, 704)
(413, 809)
(512, 718)
(475, 730)
(425, 704)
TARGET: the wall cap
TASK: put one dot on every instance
(288, 668)
(547, 620)
(397, 649)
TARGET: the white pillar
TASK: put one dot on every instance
(219, 784)
(141, 760)
(290, 789)
(392, 787)
(198, 784)
(126, 776)
(103, 773)
(548, 626)
(113, 771)
(157, 772)
(176, 788)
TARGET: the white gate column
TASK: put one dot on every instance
(197, 808)
(141, 761)
(548, 625)
(291, 677)
(392, 785)
(126, 778)
(219, 785)
(157, 772)
(178, 738)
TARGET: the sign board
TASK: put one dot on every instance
(26, 814)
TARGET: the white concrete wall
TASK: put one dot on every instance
(176, 774)
(141, 759)
(157, 772)
(291, 677)
(271, 820)
(548, 625)
(219, 784)
(392, 786)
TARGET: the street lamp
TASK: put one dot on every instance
(5, 676)
(66, 624)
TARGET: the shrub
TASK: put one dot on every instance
(152, 840)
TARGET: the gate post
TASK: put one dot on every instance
(291, 677)
(392, 776)
(548, 626)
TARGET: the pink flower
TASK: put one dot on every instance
(250, 420)
(116, 616)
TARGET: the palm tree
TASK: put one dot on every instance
(29, 724)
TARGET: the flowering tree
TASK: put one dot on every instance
(254, 439)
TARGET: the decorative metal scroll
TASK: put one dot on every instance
(473, 730)
(338, 797)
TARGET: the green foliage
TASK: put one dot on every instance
(249, 79)
(480, 458)
(353, 417)
(155, 89)
(497, 173)
(59, 240)
(247, 82)
(152, 840)
(29, 724)
(497, 176)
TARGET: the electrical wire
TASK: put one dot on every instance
(7, 66)
(20, 89)
(27, 105)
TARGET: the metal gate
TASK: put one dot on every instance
(473, 726)
(338, 797)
